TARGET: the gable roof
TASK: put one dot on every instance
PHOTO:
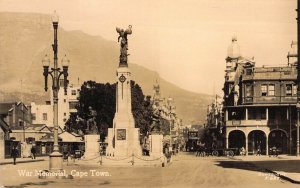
(62, 137)
(6, 107)
(49, 138)
(60, 130)
(38, 127)
(69, 137)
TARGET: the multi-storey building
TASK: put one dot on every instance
(4, 136)
(260, 103)
(43, 114)
(214, 122)
(214, 117)
(15, 114)
(167, 111)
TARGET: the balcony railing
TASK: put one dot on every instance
(260, 122)
(246, 122)
(270, 99)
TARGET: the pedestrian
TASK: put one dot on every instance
(258, 150)
(14, 154)
(166, 150)
(170, 149)
(273, 152)
(198, 148)
(243, 151)
(174, 149)
(214, 146)
(33, 151)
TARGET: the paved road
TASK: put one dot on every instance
(185, 171)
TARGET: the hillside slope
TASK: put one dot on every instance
(26, 38)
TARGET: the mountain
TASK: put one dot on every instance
(26, 37)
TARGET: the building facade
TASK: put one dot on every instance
(4, 136)
(167, 110)
(260, 103)
(43, 114)
(214, 116)
(215, 123)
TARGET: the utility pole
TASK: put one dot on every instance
(23, 119)
(290, 122)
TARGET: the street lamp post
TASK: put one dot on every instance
(298, 76)
(169, 102)
(171, 124)
(55, 162)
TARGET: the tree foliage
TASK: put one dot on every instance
(165, 126)
(141, 108)
(102, 98)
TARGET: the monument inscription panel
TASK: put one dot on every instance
(121, 134)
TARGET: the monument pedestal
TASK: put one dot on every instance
(156, 145)
(123, 138)
(92, 146)
(56, 161)
(123, 142)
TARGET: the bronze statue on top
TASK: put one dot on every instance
(91, 122)
(124, 44)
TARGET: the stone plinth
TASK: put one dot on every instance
(56, 162)
(123, 142)
(156, 145)
(92, 146)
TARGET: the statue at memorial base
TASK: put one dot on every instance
(92, 127)
(91, 137)
(155, 127)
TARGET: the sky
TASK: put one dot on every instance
(185, 41)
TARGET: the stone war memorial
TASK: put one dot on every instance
(124, 139)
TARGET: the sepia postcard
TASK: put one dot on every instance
(170, 93)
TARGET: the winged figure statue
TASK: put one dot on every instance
(124, 44)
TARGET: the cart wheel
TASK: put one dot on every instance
(230, 153)
(215, 153)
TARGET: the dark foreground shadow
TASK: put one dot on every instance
(242, 165)
(30, 184)
(289, 166)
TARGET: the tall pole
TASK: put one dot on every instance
(55, 162)
(55, 90)
(171, 129)
(23, 122)
(290, 122)
(24, 139)
(298, 76)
